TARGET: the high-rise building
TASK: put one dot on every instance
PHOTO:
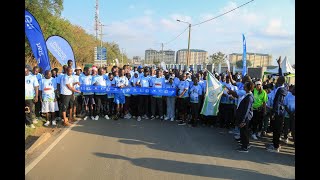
(154, 56)
(197, 56)
(256, 59)
(136, 60)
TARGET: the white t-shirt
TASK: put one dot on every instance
(76, 86)
(122, 81)
(30, 82)
(47, 86)
(63, 84)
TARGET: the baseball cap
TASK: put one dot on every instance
(258, 83)
(78, 67)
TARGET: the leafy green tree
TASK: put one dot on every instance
(217, 58)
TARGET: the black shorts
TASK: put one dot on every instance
(183, 105)
(77, 100)
(88, 99)
(66, 102)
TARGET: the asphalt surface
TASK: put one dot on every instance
(127, 149)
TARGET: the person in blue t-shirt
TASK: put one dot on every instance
(144, 99)
(171, 100)
(183, 98)
(156, 101)
(195, 92)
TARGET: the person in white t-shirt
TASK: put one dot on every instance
(48, 86)
(31, 96)
(66, 90)
(38, 75)
(77, 104)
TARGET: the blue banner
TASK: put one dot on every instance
(244, 56)
(129, 90)
(36, 41)
(61, 50)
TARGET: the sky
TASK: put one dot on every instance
(137, 25)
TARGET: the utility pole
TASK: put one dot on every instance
(188, 56)
(96, 18)
(122, 56)
(101, 45)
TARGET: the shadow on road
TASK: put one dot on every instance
(168, 136)
(203, 170)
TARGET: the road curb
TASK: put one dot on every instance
(29, 167)
(43, 138)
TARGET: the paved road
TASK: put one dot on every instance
(127, 149)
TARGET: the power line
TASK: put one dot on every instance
(176, 36)
(223, 13)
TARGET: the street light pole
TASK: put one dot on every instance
(188, 53)
(188, 57)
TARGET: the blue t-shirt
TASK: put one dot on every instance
(182, 86)
(109, 84)
(145, 81)
(157, 83)
(86, 80)
(195, 92)
(47, 87)
(290, 102)
(101, 81)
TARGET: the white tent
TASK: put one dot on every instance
(285, 66)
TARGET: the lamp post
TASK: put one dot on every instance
(188, 55)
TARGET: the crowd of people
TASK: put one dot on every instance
(248, 107)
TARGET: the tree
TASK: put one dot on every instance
(217, 58)
(240, 65)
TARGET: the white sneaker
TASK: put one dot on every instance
(85, 118)
(230, 132)
(134, 117)
(166, 118)
(145, 117)
(286, 141)
(32, 126)
(106, 116)
(54, 123)
(47, 123)
(157, 117)
(35, 121)
(97, 117)
(254, 136)
(237, 136)
(161, 117)
(92, 118)
(172, 119)
(139, 118)
(129, 116)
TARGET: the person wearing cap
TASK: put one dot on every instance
(140, 70)
(259, 109)
(31, 96)
(77, 105)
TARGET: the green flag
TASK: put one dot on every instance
(212, 97)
